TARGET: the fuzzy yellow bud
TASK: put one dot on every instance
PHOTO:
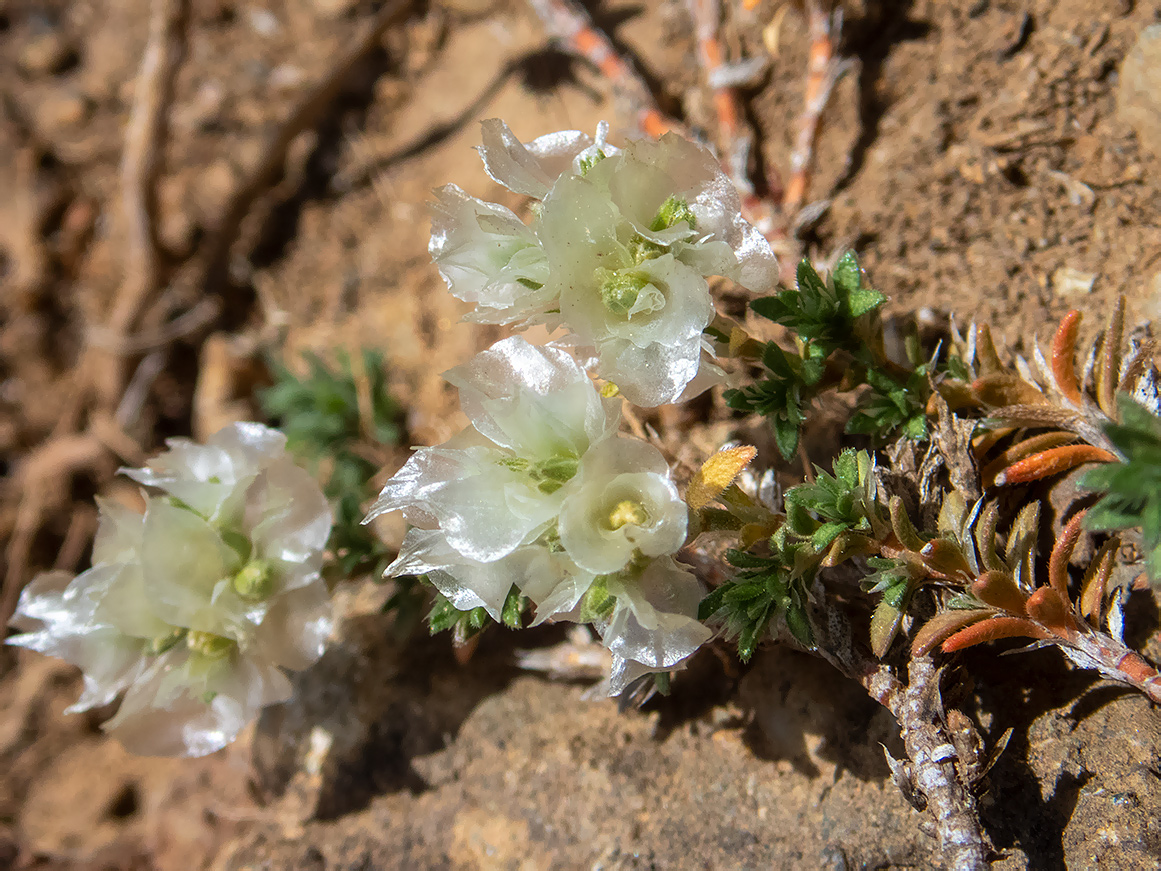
(716, 474)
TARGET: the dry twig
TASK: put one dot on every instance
(929, 777)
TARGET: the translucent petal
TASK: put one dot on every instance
(294, 632)
(57, 618)
(586, 529)
(286, 515)
(488, 257)
(166, 713)
(470, 583)
(118, 532)
(485, 508)
(184, 559)
(558, 152)
(655, 620)
(508, 162)
(536, 401)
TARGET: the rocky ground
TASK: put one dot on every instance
(973, 155)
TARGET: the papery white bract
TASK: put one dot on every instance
(193, 608)
(540, 494)
(618, 252)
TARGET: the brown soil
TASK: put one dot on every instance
(972, 156)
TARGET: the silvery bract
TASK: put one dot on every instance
(618, 252)
(193, 608)
(541, 494)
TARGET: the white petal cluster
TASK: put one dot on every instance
(193, 608)
(541, 493)
(618, 252)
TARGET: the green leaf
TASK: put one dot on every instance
(860, 302)
(848, 277)
(1132, 488)
(786, 436)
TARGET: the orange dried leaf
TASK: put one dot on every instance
(993, 630)
(1006, 388)
(1022, 450)
(1000, 591)
(945, 624)
(1052, 462)
(1062, 553)
(1052, 611)
(1064, 357)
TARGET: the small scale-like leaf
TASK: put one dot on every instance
(885, 623)
(1094, 586)
(1053, 461)
(786, 436)
(1004, 389)
(1064, 358)
(944, 624)
(995, 629)
(999, 590)
(847, 276)
(945, 559)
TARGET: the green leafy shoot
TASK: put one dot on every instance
(465, 625)
(326, 428)
(839, 345)
(779, 397)
(1133, 488)
(824, 312)
(764, 589)
(845, 502)
(892, 405)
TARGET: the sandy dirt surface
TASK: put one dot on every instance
(972, 155)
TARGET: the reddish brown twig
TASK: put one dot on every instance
(568, 22)
(822, 71)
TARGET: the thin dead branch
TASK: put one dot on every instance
(140, 168)
(929, 776)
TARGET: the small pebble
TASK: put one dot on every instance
(47, 53)
(334, 8)
(1139, 89)
(59, 112)
(263, 22)
(286, 77)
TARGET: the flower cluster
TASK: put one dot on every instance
(618, 252)
(541, 494)
(193, 607)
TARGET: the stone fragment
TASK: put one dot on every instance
(1139, 89)
(47, 53)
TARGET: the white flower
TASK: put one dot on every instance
(622, 502)
(629, 245)
(498, 485)
(193, 608)
(542, 495)
(488, 257)
(618, 254)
